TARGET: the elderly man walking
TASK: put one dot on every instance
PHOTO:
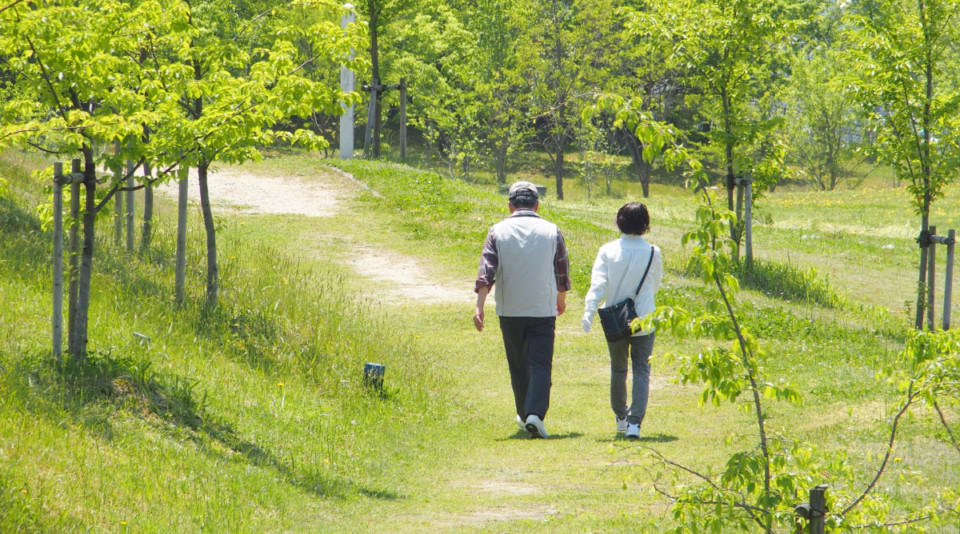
(525, 257)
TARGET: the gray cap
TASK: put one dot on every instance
(523, 188)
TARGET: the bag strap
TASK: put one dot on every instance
(653, 250)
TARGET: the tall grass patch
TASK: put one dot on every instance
(789, 282)
(251, 416)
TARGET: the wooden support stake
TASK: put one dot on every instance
(129, 202)
(948, 280)
(58, 262)
(146, 231)
(818, 507)
(74, 295)
(748, 218)
(921, 285)
(371, 117)
(183, 174)
(117, 203)
(403, 119)
(931, 281)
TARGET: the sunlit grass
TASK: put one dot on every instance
(252, 417)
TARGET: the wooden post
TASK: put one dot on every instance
(818, 507)
(58, 262)
(931, 279)
(146, 232)
(371, 117)
(117, 202)
(403, 119)
(922, 282)
(815, 511)
(129, 202)
(948, 279)
(748, 219)
(74, 290)
(183, 174)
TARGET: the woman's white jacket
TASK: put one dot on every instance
(616, 273)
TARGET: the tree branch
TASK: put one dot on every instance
(943, 420)
(10, 6)
(886, 457)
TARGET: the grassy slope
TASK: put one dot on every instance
(253, 419)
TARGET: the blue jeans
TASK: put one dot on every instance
(639, 349)
(529, 345)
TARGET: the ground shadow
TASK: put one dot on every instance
(162, 400)
(652, 438)
(523, 434)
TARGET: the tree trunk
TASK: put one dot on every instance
(925, 169)
(375, 73)
(558, 169)
(642, 168)
(212, 271)
(79, 350)
(731, 177)
(500, 162)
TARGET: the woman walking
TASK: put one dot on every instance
(621, 266)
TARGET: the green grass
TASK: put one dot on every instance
(252, 417)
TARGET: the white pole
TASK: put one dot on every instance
(347, 85)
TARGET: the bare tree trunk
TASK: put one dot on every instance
(643, 169)
(213, 274)
(558, 168)
(374, 11)
(500, 162)
(79, 350)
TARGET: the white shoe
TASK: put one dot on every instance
(535, 427)
(520, 423)
(633, 431)
(621, 424)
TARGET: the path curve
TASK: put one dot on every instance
(325, 194)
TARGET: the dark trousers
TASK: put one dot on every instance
(529, 345)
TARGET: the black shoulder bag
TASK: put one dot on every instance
(616, 319)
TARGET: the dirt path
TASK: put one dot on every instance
(324, 195)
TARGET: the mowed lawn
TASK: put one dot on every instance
(254, 418)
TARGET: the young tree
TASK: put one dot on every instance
(233, 85)
(825, 136)
(729, 50)
(497, 75)
(646, 71)
(571, 39)
(77, 86)
(382, 17)
(907, 86)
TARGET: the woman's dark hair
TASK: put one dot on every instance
(633, 219)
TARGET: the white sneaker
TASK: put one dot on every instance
(535, 427)
(633, 431)
(621, 424)
(520, 423)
